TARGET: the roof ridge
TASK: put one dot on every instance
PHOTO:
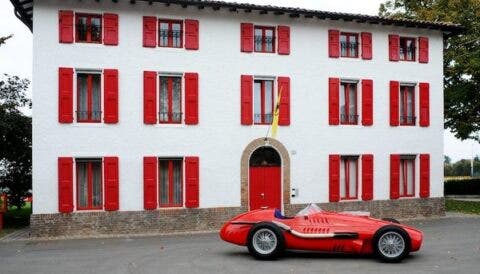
(24, 12)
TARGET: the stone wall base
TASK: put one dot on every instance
(203, 219)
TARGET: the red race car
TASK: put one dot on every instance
(267, 233)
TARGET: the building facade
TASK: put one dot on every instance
(158, 120)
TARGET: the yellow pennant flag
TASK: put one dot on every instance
(276, 114)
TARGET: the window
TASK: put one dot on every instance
(89, 184)
(263, 102)
(407, 49)
(170, 182)
(348, 177)
(170, 99)
(88, 28)
(264, 39)
(349, 44)
(89, 98)
(348, 103)
(170, 33)
(407, 176)
(407, 105)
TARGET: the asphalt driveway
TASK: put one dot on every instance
(452, 245)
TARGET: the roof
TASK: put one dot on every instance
(24, 11)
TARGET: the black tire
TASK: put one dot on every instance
(266, 227)
(391, 220)
(395, 231)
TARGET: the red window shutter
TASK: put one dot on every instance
(246, 99)
(284, 115)
(149, 97)
(423, 49)
(65, 184)
(394, 104)
(333, 101)
(246, 37)
(65, 26)
(65, 95)
(334, 178)
(150, 182)
(333, 43)
(424, 104)
(149, 31)
(424, 175)
(192, 177)
(191, 34)
(283, 40)
(110, 29)
(394, 176)
(110, 90)
(394, 47)
(110, 174)
(191, 98)
(367, 177)
(366, 45)
(367, 102)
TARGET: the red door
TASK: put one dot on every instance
(264, 187)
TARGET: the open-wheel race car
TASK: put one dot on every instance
(267, 233)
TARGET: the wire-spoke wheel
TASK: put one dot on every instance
(391, 243)
(265, 241)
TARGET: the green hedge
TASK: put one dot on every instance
(462, 187)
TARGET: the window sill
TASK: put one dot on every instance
(90, 125)
(348, 200)
(407, 197)
(88, 210)
(167, 49)
(88, 45)
(171, 208)
(167, 125)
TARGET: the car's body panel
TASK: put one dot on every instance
(321, 231)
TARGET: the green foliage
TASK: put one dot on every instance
(462, 206)
(446, 159)
(15, 139)
(462, 187)
(462, 168)
(17, 218)
(461, 57)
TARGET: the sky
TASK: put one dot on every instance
(16, 54)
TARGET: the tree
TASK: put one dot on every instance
(461, 57)
(447, 159)
(4, 39)
(15, 139)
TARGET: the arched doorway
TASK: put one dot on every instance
(265, 175)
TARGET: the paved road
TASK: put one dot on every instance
(452, 245)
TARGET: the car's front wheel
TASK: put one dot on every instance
(265, 241)
(391, 243)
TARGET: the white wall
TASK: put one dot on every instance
(219, 139)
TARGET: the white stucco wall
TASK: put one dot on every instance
(219, 139)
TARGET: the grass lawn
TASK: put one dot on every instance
(462, 206)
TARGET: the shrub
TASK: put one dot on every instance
(462, 187)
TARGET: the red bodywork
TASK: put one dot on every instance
(337, 232)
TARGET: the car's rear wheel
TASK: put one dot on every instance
(265, 241)
(391, 244)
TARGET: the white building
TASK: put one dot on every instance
(158, 119)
